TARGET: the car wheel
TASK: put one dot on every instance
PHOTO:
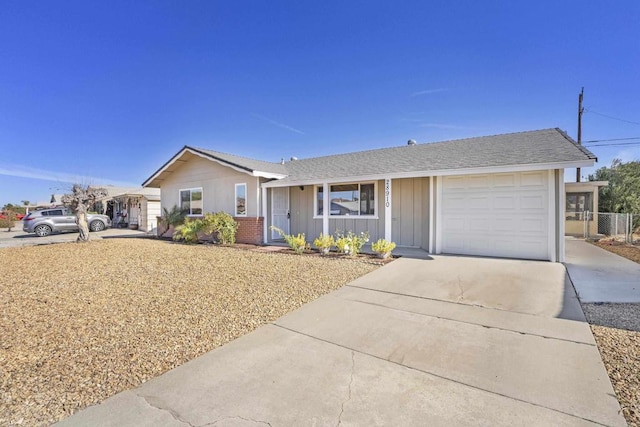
(42, 230)
(96, 226)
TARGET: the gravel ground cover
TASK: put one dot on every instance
(616, 328)
(81, 322)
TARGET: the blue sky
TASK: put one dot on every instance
(106, 92)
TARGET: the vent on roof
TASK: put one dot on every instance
(293, 158)
(282, 160)
(411, 142)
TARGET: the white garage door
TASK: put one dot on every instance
(502, 215)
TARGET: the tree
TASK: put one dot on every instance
(623, 192)
(9, 221)
(79, 201)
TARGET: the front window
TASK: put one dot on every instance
(348, 200)
(241, 199)
(577, 204)
(191, 201)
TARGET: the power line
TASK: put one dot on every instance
(614, 139)
(588, 110)
(613, 145)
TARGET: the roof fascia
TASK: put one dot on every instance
(443, 172)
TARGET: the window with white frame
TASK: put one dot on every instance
(241, 199)
(355, 199)
(191, 201)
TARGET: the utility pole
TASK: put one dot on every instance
(580, 111)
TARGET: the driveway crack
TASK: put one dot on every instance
(353, 368)
(158, 404)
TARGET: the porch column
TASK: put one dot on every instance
(264, 215)
(326, 205)
(387, 209)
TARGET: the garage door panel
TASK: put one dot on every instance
(504, 180)
(507, 218)
(504, 202)
(534, 179)
(537, 201)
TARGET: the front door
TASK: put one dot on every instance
(279, 210)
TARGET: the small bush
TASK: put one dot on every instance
(175, 217)
(383, 247)
(297, 243)
(222, 225)
(324, 242)
(351, 243)
(189, 230)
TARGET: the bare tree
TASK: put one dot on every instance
(80, 199)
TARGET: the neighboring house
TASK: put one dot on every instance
(499, 195)
(135, 208)
(581, 207)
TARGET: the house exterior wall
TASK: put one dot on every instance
(218, 186)
(410, 211)
(304, 221)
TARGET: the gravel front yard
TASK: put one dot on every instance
(81, 322)
(616, 328)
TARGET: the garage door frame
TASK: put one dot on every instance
(554, 213)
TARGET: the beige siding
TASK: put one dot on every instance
(217, 182)
(424, 244)
(409, 210)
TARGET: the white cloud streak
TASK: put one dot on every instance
(428, 91)
(63, 177)
(275, 123)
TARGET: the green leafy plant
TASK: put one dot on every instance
(173, 217)
(383, 247)
(297, 243)
(324, 243)
(351, 243)
(189, 230)
(222, 226)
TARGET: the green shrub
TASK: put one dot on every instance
(221, 225)
(174, 217)
(189, 230)
(297, 243)
(324, 242)
(383, 247)
(351, 243)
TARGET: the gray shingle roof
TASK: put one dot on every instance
(523, 148)
(544, 147)
(250, 165)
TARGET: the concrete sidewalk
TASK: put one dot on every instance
(601, 276)
(447, 341)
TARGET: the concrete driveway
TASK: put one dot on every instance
(601, 276)
(447, 341)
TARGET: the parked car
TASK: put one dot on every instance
(47, 221)
(5, 215)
